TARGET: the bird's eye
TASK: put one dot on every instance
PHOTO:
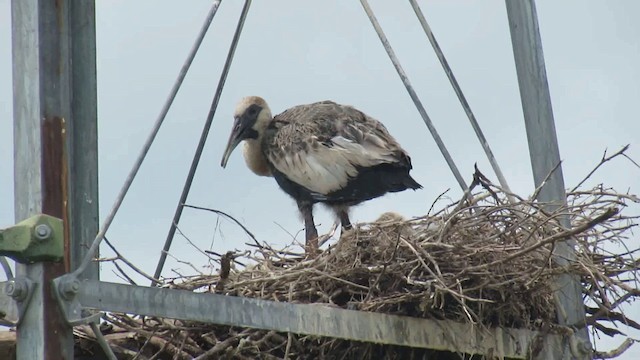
(252, 111)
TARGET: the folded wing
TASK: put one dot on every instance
(324, 148)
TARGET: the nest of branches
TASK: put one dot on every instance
(491, 259)
(487, 259)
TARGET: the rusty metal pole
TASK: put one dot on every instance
(49, 95)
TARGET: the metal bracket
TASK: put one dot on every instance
(19, 290)
(36, 239)
(66, 288)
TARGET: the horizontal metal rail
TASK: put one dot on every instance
(311, 319)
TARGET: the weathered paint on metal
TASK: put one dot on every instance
(311, 319)
(21, 242)
(58, 335)
(544, 152)
(42, 99)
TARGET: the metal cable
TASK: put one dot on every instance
(6, 267)
(203, 139)
(461, 97)
(145, 148)
(102, 341)
(412, 93)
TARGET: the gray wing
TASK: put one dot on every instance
(321, 146)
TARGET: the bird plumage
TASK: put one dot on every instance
(321, 152)
(336, 153)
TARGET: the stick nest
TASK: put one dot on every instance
(486, 259)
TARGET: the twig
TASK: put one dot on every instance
(203, 252)
(129, 263)
(557, 237)
(626, 344)
(604, 159)
(544, 182)
(228, 217)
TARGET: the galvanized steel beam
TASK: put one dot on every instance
(41, 95)
(82, 144)
(54, 100)
(312, 319)
(545, 159)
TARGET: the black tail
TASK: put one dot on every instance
(400, 181)
(373, 182)
(411, 183)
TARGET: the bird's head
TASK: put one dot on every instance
(251, 118)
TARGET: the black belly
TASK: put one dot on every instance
(370, 183)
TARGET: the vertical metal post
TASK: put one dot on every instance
(82, 129)
(545, 157)
(54, 99)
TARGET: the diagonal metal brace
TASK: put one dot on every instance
(36, 239)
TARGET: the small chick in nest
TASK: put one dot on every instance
(395, 225)
(390, 217)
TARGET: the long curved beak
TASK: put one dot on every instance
(234, 140)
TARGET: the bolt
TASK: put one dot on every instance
(69, 289)
(584, 347)
(17, 289)
(43, 232)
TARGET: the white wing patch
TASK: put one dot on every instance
(324, 169)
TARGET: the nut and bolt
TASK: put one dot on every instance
(17, 289)
(69, 289)
(584, 347)
(42, 232)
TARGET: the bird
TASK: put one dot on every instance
(321, 152)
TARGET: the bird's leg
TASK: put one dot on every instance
(343, 215)
(342, 212)
(311, 241)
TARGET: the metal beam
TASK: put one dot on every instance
(314, 319)
(54, 100)
(82, 136)
(545, 155)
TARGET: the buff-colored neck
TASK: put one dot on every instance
(254, 157)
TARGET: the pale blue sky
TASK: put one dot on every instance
(291, 54)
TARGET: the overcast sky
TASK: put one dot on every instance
(291, 54)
